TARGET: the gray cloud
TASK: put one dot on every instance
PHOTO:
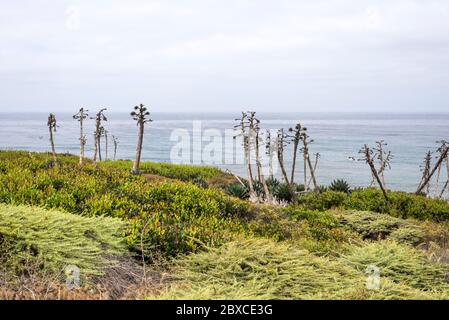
(334, 55)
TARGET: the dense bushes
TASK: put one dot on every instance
(185, 173)
(322, 201)
(178, 216)
(401, 204)
(181, 218)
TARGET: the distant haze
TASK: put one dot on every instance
(228, 55)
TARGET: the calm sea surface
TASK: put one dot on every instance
(336, 137)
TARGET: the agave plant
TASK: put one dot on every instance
(284, 192)
(237, 190)
(258, 188)
(340, 185)
(272, 184)
(322, 188)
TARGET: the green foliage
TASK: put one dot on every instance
(181, 215)
(57, 239)
(401, 264)
(408, 234)
(322, 201)
(322, 189)
(281, 191)
(185, 173)
(375, 226)
(184, 217)
(403, 205)
(258, 188)
(318, 225)
(340, 185)
(200, 183)
(263, 269)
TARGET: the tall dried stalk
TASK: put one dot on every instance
(307, 162)
(315, 165)
(243, 128)
(296, 138)
(106, 141)
(81, 116)
(280, 151)
(253, 137)
(384, 159)
(141, 116)
(51, 123)
(255, 127)
(443, 143)
(270, 146)
(443, 155)
(101, 134)
(116, 142)
(99, 117)
(426, 169)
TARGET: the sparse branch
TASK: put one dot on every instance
(367, 156)
(307, 162)
(315, 165)
(384, 159)
(443, 155)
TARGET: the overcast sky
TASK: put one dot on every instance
(228, 55)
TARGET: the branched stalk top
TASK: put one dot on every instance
(51, 122)
(81, 115)
(141, 114)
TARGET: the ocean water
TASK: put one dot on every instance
(208, 140)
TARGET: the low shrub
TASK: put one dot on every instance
(322, 201)
(318, 225)
(402, 205)
(56, 239)
(375, 226)
(200, 183)
(401, 264)
(262, 269)
(181, 172)
(182, 218)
